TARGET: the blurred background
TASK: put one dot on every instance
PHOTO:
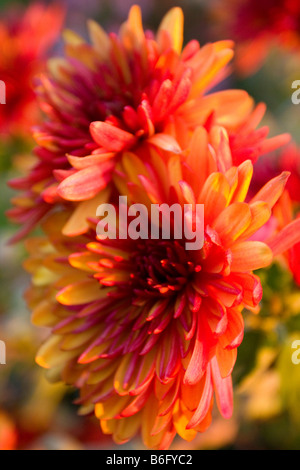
(37, 415)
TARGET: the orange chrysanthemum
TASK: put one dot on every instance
(25, 42)
(126, 92)
(147, 330)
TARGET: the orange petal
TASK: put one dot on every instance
(72, 38)
(272, 191)
(135, 22)
(165, 142)
(226, 360)
(81, 293)
(100, 40)
(126, 429)
(80, 163)
(198, 362)
(248, 256)
(198, 158)
(214, 196)
(232, 222)
(234, 333)
(180, 423)
(223, 390)
(50, 355)
(83, 184)
(221, 104)
(78, 222)
(173, 24)
(220, 142)
(219, 61)
(284, 240)
(111, 138)
(111, 408)
(245, 172)
(81, 261)
(260, 214)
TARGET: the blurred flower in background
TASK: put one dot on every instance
(38, 415)
(26, 36)
(257, 27)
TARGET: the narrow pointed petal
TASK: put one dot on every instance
(232, 222)
(80, 293)
(272, 191)
(84, 184)
(198, 362)
(197, 159)
(223, 390)
(173, 24)
(78, 222)
(165, 142)
(245, 173)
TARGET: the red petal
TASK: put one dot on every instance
(272, 190)
(223, 390)
(204, 403)
(111, 138)
(286, 239)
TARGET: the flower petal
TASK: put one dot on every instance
(232, 222)
(204, 403)
(81, 293)
(84, 184)
(165, 142)
(173, 24)
(272, 191)
(223, 390)
(78, 222)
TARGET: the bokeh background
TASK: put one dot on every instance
(37, 415)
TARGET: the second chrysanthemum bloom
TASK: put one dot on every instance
(146, 329)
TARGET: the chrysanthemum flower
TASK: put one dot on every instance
(257, 26)
(24, 43)
(146, 329)
(126, 92)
